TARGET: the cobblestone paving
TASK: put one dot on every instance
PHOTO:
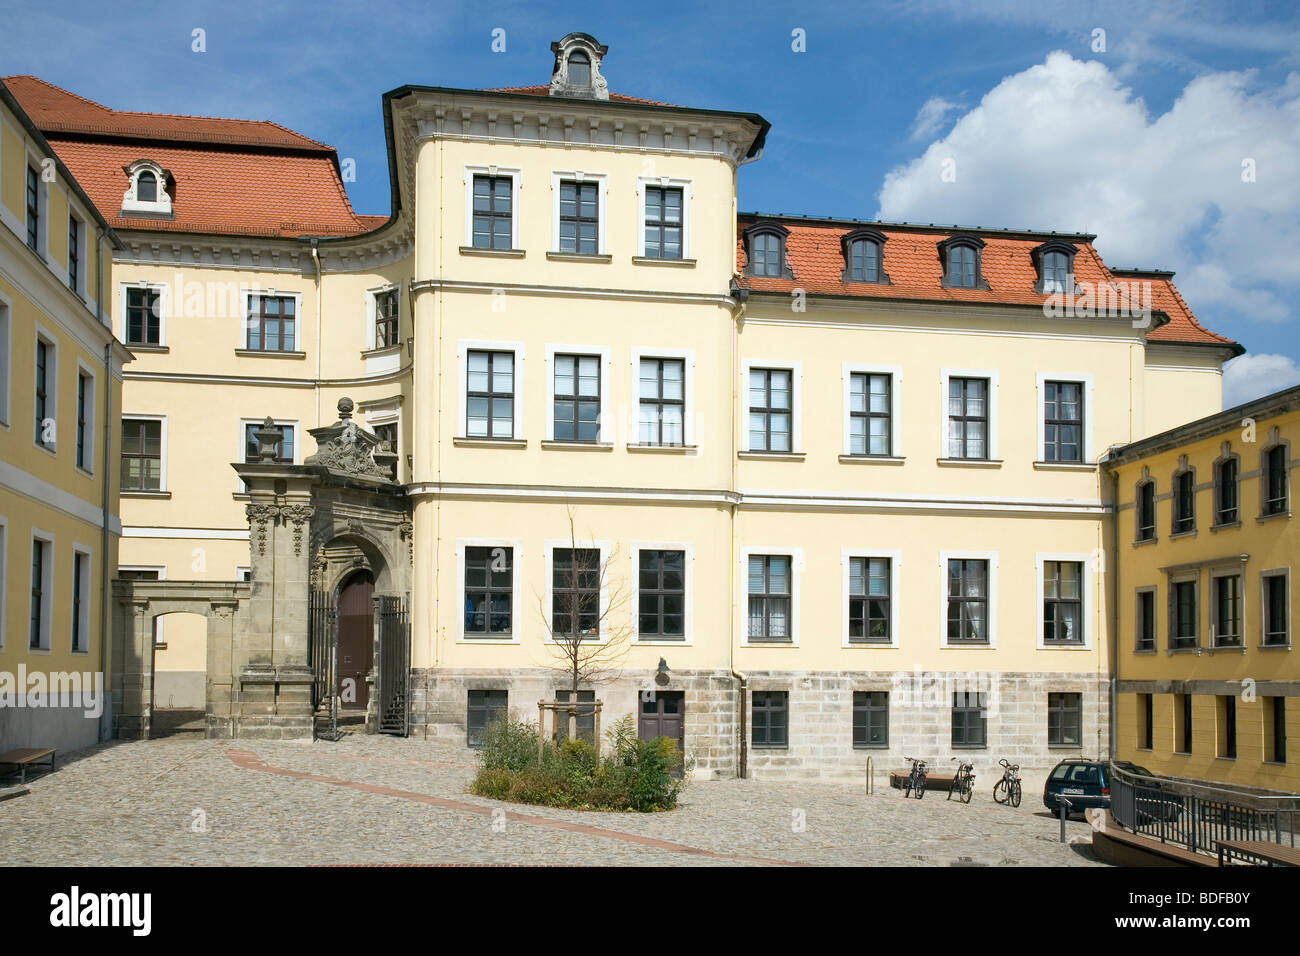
(369, 800)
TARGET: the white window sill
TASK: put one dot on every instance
(871, 460)
(553, 444)
(487, 640)
(969, 462)
(599, 257)
(490, 442)
(772, 455)
(145, 494)
(656, 261)
(1065, 466)
(379, 353)
(663, 449)
(270, 353)
(496, 253)
(160, 349)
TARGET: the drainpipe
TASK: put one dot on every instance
(738, 312)
(104, 624)
(315, 258)
(1114, 613)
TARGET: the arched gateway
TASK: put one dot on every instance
(294, 644)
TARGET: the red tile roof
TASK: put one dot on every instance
(229, 177)
(911, 261)
(546, 91)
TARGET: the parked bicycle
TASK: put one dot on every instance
(915, 782)
(963, 781)
(1007, 790)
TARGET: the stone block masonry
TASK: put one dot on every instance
(820, 716)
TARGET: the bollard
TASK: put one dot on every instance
(871, 776)
(1065, 809)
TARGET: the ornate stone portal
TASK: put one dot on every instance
(310, 526)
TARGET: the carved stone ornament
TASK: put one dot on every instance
(407, 532)
(566, 82)
(346, 449)
(298, 516)
(259, 519)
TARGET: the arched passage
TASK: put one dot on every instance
(180, 669)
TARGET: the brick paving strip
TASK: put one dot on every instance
(248, 760)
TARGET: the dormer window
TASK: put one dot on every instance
(864, 256)
(147, 195)
(1054, 262)
(146, 187)
(765, 251)
(960, 256)
(576, 72)
(579, 69)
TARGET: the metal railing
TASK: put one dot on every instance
(1196, 816)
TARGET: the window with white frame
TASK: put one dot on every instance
(45, 392)
(578, 212)
(576, 590)
(1225, 610)
(490, 393)
(144, 459)
(661, 413)
(665, 218)
(1275, 606)
(1064, 589)
(35, 205)
(492, 208)
(771, 409)
(968, 420)
(143, 308)
(271, 323)
(76, 253)
(6, 367)
(770, 586)
(1063, 421)
(661, 593)
(969, 596)
(576, 397)
(85, 434)
(80, 618)
(40, 603)
(489, 588)
(386, 318)
(871, 598)
(871, 410)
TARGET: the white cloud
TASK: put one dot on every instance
(1065, 145)
(1249, 377)
(931, 116)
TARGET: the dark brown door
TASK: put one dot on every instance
(356, 639)
(664, 716)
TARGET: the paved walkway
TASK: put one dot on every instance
(381, 800)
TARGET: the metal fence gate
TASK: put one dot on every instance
(323, 650)
(394, 665)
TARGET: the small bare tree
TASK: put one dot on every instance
(590, 640)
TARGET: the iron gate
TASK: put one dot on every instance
(394, 665)
(323, 648)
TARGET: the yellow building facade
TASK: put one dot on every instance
(1207, 681)
(60, 392)
(840, 478)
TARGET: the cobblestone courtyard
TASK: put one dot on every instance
(382, 800)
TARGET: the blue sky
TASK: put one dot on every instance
(1143, 142)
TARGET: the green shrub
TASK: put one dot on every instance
(508, 744)
(635, 775)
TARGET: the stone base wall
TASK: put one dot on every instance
(820, 716)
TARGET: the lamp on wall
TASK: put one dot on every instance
(661, 676)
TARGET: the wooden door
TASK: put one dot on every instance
(664, 716)
(356, 639)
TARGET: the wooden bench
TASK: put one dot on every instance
(1268, 854)
(934, 782)
(24, 756)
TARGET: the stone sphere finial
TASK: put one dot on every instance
(345, 407)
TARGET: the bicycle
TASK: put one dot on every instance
(963, 782)
(915, 782)
(1007, 790)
